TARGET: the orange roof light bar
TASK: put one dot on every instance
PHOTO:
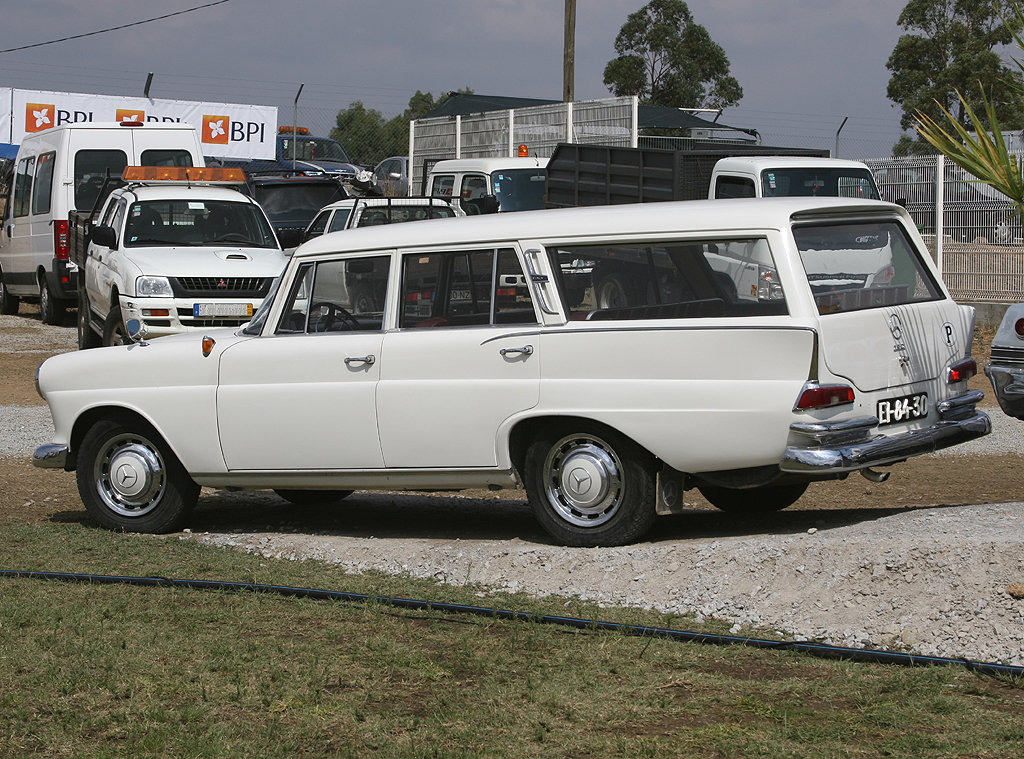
(524, 152)
(292, 130)
(183, 174)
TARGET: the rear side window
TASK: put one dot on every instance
(465, 288)
(166, 158)
(91, 166)
(734, 187)
(685, 279)
(23, 185)
(44, 183)
(863, 265)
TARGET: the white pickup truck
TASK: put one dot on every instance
(176, 252)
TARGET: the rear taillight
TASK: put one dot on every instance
(1018, 327)
(60, 239)
(961, 370)
(824, 396)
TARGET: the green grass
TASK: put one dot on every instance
(115, 671)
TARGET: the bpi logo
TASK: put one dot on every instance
(125, 115)
(39, 116)
(215, 129)
(221, 130)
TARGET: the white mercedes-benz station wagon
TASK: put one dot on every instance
(604, 358)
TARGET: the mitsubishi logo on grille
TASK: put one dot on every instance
(222, 283)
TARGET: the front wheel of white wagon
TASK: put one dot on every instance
(590, 489)
(130, 481)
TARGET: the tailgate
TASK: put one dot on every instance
(882, 348)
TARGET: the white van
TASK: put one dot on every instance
(516, 184)
(60, 170)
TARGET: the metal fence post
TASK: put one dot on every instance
(940, 182)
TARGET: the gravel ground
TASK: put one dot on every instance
(938, 581)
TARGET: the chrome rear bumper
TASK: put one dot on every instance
(849, 446)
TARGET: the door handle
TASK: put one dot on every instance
(360, 360)
(526, 350)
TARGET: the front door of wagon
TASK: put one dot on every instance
(302, 398)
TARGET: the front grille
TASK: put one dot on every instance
(1005, 355)
(220, 287)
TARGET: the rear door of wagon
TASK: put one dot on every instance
(886, 325)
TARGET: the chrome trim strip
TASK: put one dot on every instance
(50, 456)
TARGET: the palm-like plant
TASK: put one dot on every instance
(984, 152)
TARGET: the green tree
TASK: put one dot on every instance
(370, 138)
(665, 58)
(947, 62)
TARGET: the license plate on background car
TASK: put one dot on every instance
(222, 309)
(903, 409)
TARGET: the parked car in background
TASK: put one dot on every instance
(1006, 362)
(369, 212)
(486, 185)
(298, 150)
(477, 370)
(292, 200)
(391, 176)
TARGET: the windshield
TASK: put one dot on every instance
(200, 223)
(863, 265)
(294, 202)
(313, 149)
(819, 182)
(255, 325)
(519, 189)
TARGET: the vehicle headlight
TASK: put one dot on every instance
(153, 287)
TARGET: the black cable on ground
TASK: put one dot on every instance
(815, 649)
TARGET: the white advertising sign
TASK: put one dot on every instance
(226, 130)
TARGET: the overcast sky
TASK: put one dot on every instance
(804, 65)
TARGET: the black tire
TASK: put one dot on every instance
(8, 303)
(87, 336)
(313, 497)
(51, 308)
(751, 501)
(617, 506)
(130, 481)
(114, 332)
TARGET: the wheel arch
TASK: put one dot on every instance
(525, 431)
(121, 415)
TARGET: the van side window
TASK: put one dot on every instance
(90, 168)
(44, 183)
(465, 288)
(23, 185)
(442, 185)
(683, 279)
(166, 158)
(734, 187)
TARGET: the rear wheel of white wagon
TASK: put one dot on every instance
(750, 501)
(130, 481)
(51, 308)
(590, 488)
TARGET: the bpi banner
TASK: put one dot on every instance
(226, 130)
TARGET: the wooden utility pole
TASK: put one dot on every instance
(569, 53)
